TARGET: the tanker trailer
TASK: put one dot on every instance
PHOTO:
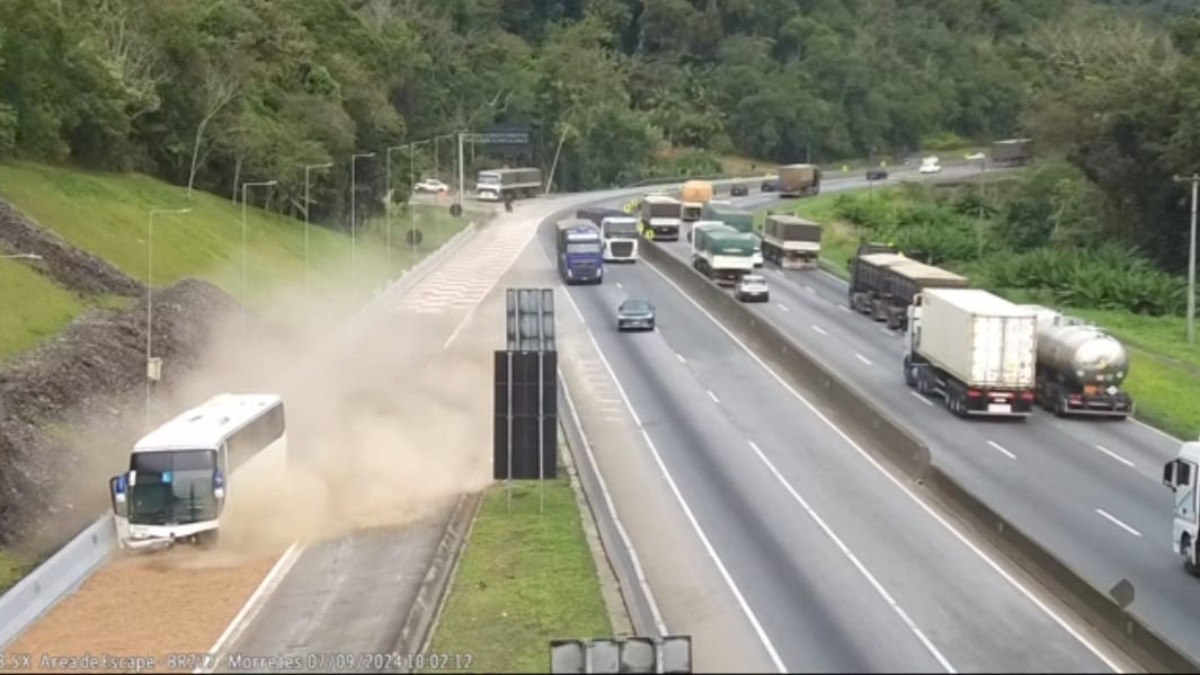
(1080, 368)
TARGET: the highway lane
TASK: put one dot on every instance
(840, 567)
(1067, 483)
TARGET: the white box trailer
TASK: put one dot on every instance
(976, 350)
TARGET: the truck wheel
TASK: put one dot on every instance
(1189, 557)
(1060, 405)
(910, 377)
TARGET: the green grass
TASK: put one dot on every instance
(1164, 369)
(12, 569)
(524, 579)
(106, 215)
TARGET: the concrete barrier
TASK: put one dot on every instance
(895, 444)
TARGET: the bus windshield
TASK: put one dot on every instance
(664, 210)
(173, 487)
(619, 228)
(583, 247)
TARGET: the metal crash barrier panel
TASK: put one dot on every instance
(669, 654)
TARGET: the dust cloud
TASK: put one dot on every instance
(383, 426)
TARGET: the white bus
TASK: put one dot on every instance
(1181, 475)
(177, 484)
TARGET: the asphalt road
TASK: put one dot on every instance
(833, 564)
(1088, 489)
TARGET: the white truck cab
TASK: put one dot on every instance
(1181, 475)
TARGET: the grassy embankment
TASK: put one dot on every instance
(106, 215)
(1164, 369)
(524, 579)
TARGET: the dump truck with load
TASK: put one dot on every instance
(694, 195)
(1012, 152)
(799, 180)
(737, 218)
(883, 285)
(1080, 368)
(721, 253)
(496, 184)
(791, 241)
(659, 218)
(976, 350)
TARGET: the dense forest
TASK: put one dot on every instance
(207, 93)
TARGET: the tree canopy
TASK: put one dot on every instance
(209, 93)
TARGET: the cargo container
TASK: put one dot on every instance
(1012, 152)
(496, 184)
(738, 218)
(799, 180)
(721, 253)
(659, 218)
(976, 350)
(791, 241)
(694, 195)
(883, 283)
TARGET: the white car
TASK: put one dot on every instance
(431, 186)
(930, 165)
(752, 287)
(976, 156)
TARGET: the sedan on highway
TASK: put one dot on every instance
(635, 313)
(770, 185)
(739, 190)
(752, 288)
(877, 173)
(431, 186)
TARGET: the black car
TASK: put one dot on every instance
(770, 185)
(739, 190)
(635, 313)
(877, 173)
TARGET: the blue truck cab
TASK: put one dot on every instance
(580, 251)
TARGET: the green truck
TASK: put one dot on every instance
(738, 218)
(722, 253)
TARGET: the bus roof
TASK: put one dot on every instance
(209, 423)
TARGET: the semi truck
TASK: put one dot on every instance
(976, 350)
(496, 184)
(580, 252)
(1080, 368)
(738, 218)
(659, 218)
(620, 238)
(694, 195)
(799, 180)
(721, 253)
(791, 242)
(1012, 152)
(883, 283)
(1181, 475)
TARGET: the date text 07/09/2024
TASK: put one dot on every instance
(315, 662)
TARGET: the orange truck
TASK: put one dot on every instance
(694, 195)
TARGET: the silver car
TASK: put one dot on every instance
(752, 287)
(635, 314)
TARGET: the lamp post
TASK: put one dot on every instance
(1194, 179)
(353, 200)
(387, 213)
(151, 374)
(307, 204)
(242, 282)
(412, 181)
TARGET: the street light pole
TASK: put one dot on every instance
(387, 214)
(353, 201)
(1194, 179)
(150, 297)
(242, 282)
(307, 204)
(462, 184)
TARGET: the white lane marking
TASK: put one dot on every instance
(818, 329)
(1001, 449)
(810, 289)
(843, 308)
(253, 605)
(1114, 455)
(619, 285)
(920, 398)
(888, 331)
(782, 306)
(1156, 430)
(900, 485)
(1113, 519)
(659, 623)
(680, 357)
(863, 359)
(743, 604)
(713, 396)
(854, 560)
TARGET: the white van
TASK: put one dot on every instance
(1181, 474)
